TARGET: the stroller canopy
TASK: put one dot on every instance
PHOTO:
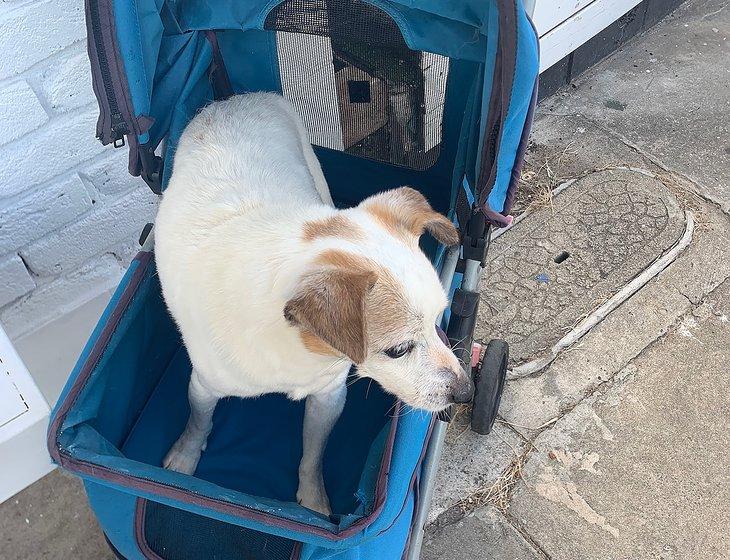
(446, 87)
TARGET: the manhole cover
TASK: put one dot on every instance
(563, 261)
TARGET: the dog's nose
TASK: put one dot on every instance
(463, 390)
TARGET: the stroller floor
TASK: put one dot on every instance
(256, 444)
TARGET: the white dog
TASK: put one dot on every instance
(276, 291)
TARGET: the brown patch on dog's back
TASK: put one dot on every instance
(333, 226)
(346, 260)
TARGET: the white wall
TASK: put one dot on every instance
(70, 214)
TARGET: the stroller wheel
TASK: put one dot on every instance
(488, 385)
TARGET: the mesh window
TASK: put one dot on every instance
(347, 70)
(175, 534)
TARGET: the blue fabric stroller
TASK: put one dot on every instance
(432, 94)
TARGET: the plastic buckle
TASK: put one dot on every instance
(145, 233)
(151, 168)
(475, 243)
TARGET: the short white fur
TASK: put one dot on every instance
(230, 254)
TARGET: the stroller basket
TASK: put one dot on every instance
(435, 95)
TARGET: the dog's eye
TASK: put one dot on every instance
(400, 350)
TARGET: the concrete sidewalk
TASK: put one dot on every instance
(617, 450)
(619, 447)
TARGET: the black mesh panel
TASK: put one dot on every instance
(175, 534)
(347, 70)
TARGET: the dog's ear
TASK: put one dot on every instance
(406, 211)
(330, 304)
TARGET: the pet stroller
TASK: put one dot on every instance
(436, 95)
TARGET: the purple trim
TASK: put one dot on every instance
(218, 74)
(96, 353)
(417, 490)
(503, 219)
(141, 505)
(524, 139)
(296, 552)
(495, 218)
(140, 484)
(521, 150)
(139, 515)
(500, 96)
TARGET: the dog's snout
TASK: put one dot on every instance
(462, 387)
(463, 392)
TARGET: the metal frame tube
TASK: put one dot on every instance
(470, 281)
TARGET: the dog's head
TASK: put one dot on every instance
(375, 299)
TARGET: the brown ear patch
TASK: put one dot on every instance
(332, 226)
(316, 345)
(406, 213)
(330, 306)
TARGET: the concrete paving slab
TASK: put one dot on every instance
(640, 469)
(529, 403)
(471, 462)
(667, 93)
(566, 147)
(51, 520)
(484, 534)
(549, 271)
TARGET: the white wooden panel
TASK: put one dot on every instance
(550, 13)
(11, 401)
(575, 31)
(24, 419)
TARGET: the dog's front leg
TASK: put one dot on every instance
(184, 455)
(321, 412)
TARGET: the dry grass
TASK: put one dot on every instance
(539, 183)
(497, 494)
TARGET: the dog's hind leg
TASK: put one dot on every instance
(321, 412)
(185, 453)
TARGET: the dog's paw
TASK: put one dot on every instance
(183, 457)
(312, 495)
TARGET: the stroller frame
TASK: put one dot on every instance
(153, 65)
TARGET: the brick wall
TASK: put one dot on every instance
(70, 213)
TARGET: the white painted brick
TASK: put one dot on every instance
(20, 111)
(61, 295)
(14, 279)
(110, 175)
(66, 249)
(43, 211)
(35, 31)
(125, 252)
(52, 150)
(66, 83)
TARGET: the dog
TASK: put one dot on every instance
(274, 290)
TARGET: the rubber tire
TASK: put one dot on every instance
(488, 386)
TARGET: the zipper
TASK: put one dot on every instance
(118, 126)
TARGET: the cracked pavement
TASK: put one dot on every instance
(617, 450)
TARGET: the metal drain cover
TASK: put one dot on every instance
(561, 262)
